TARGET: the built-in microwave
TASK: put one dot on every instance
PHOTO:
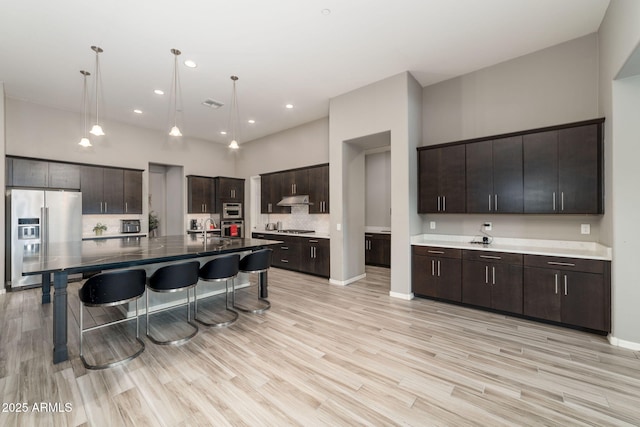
(232, 211)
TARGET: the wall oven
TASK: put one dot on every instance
(232, 228)
(232, 211)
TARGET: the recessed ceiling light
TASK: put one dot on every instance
(191, 64)
(223, 132)
(326, 11)
(158, 92)
(251, 121)
(137, 111)
(289, 106)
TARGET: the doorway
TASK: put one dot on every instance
(166, 198)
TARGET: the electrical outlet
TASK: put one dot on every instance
(585, 228)
(338, 227)
(487, 226)
(432, 225)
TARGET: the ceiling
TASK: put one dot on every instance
(284, 51)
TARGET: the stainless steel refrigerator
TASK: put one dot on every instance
(34, 218)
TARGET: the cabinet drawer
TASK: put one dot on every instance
(437, 251)
(488, 256)
(561, 263)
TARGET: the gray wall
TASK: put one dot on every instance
(378, 189)
(619, 38)
(552, 86)
(2, 183)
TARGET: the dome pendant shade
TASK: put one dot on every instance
(84, 142)
(175, 131)
(96, 130)
(234, 145)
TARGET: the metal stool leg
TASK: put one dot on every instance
(266, 305)
(225, 323)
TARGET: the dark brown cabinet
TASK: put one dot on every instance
(229, 190)
(312, 181)
(271, 193)
(132, 192)
(102, 190)
(492, 280)
(377, 249)
(319, 189)
(441, 182)
(563, 171)
(437, 272)
(34, 173)
(304, 254)
(314, 257)
(201, 194)
(567, 290)
(494, 176)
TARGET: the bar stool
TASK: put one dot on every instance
(220, 269)
(256, 262)
(106, 290)
(173, 278)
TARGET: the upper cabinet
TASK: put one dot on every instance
(552, 170)
(563, 171)
(36, 173)
(441, 185)
(494, 176)
(102, 190)
(201, 194)
(312, 181)
(132, 191)
(229, 189)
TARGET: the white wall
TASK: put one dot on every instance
(2, 182)
(378, 189)
(619, 37)
(549, 87)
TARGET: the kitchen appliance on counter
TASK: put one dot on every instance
(34, 219)
(130, 225)
(232, 211)
(232, 228)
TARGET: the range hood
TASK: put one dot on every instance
(295, 201)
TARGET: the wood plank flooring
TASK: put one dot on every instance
(323, 355)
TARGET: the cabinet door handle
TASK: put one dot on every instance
(435, 252)
(284, 248)
(311, 252)
(313, 241)
(565, 285)
(268, 207)
(438, 268)
(444, 203)
(495, 200)
(433, 268)
(101, 207)
(486, 274)
(554, 201)
(126, 207)
(489, 202)
(315, 253)
(438, 203)
(105, 207)
(494, 275)
(490, 257)
(556, 277)
(284, 260)
(562, 200)
(565, 264)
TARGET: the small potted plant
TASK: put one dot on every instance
(154, 222)
(99, 228)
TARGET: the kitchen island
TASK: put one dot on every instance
(62, 259)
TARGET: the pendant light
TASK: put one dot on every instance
(84, 142)
(175, 131)
(97, 129)
(233, 121)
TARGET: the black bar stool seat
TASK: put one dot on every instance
(173, 278)
(106, 290)
(256, 262)
(221, 269)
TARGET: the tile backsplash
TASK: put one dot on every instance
(111, 221)
(299, 219)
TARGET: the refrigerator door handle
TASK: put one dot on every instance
(44, 214)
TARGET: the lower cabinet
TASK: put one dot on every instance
(377, 249)
(436, 272)
(572, 291)
(304, 254)
(492, 280)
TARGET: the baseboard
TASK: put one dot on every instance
(630, 345)
(348, 281)
(398, 295)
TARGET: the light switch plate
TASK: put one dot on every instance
(585, 228)
(432, 225)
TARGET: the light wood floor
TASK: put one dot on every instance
(324, 355)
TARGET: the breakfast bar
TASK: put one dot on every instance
(62, 259)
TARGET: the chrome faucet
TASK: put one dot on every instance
(204, 231)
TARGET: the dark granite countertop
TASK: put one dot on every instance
(91, 255)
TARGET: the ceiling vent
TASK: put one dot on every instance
(212, 103)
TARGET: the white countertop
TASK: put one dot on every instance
(563, 248)
(308, 235)
(376, 229)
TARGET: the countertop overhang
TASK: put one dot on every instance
(561, 248)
